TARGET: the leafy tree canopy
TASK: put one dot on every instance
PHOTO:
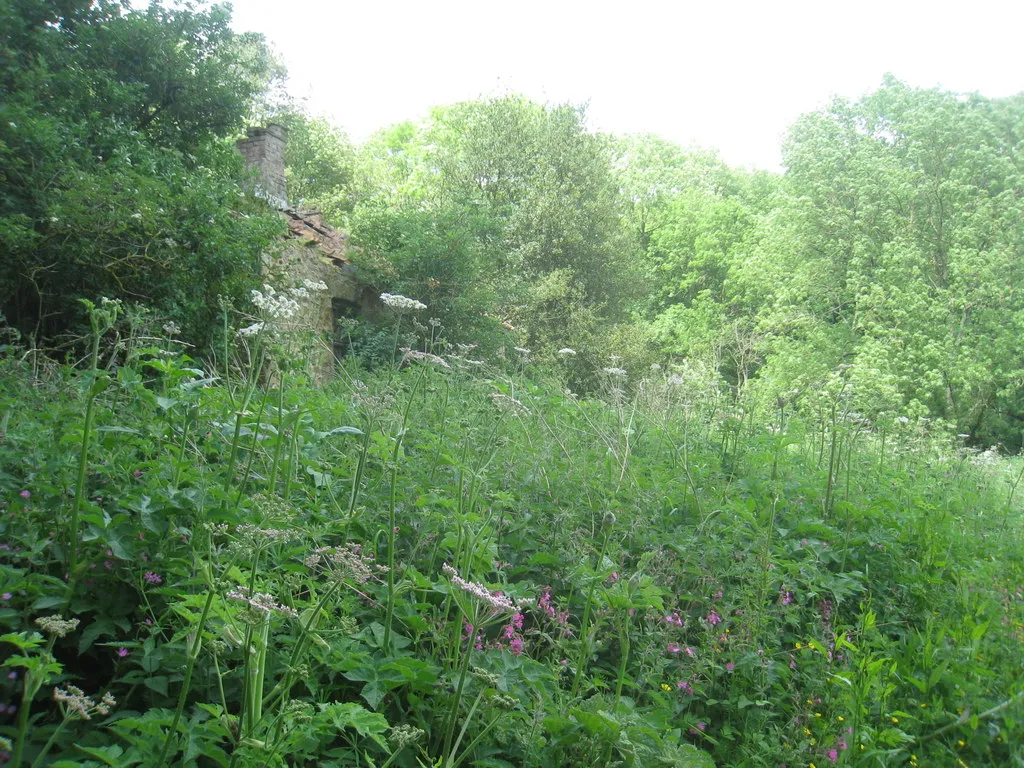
(115, 176)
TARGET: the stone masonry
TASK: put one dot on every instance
(263, 149)
(313, 250)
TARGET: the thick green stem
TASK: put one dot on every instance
(453, 715)
(584, 641)
(256, 708)
(83, 455)
(293, 457)
(282, 688)
(272, 483)
(193, 654)
(392, 500)
(624, 654)
(49, 744)
(23, 710)
(449, 761)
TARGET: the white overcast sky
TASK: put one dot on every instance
(727, 75)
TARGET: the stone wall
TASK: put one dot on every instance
(313, 250)
(263, 149)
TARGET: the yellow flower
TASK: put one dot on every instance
(961, 743)
(841, 719)
(666, 687)
(799, 646)
(895, 720)
(817, 714)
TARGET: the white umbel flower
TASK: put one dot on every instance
(401, 303)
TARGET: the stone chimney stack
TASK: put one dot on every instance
(263, 149)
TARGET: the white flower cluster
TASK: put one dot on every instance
(507, 404)
(401, 303)
(567, 352)
(250, 330)
(264, 535)
(277, 306)
(497, 601)
(75, 700)
(616, 372)
(414, 356)
(348, 562)
(261, 602)
(57, 625)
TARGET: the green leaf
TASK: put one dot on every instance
(157, 683)
(107, 755)
(342, 431)
(599, 724)
(352, 715)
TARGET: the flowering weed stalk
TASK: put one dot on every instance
(101, 320)
(480, 607)
(38, 666)
(401, 305)
(186, 684)
(392, 502)
(586, 641)
(74, 705)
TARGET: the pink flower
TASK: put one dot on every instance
(6, 596)
(153, 578)
(122, 653)
(516, 646)
(674, 648)
(730, 667)
(833, 755)
(25, 494)
(714, 619)
(690, 651)
(685, 687)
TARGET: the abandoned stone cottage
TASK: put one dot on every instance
(313, 250)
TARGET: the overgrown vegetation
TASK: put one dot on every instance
(457, 563)
(662, 463)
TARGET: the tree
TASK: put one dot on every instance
(115, 174)
(902, 226)
(532, 194)
(319, 165)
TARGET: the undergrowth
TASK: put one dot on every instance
(455, 562)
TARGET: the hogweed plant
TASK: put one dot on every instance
(400, 306)
(479, 608)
